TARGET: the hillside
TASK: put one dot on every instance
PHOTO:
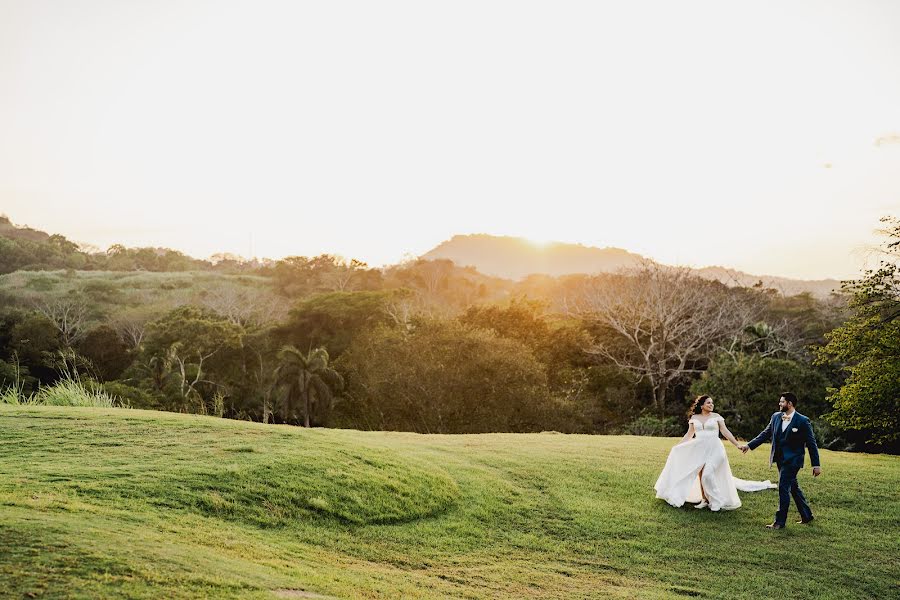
(516, 258)
(136, 295)
(27, 249)
(11, 231)
(486, 257)
(118, 503)
(821, 288)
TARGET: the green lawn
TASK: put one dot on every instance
(117, 503)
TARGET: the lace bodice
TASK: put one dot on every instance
(708, 427)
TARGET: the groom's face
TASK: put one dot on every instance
(783, 404)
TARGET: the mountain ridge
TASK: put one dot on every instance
(515, 258)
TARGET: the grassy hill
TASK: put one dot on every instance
(108, 289)
(122, 503)
(138, 296)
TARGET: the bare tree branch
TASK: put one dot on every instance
(68, 314)
(660, 322)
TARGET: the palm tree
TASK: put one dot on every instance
(305, 376)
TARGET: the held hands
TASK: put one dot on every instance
(744, 448)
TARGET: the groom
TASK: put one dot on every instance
(790, 432)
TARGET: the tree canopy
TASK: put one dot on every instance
(867, 349)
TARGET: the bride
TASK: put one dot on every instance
(697, 469)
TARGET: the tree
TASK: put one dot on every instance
(434, 274)
(106, 351)
(442, 377)
(660, 323)
(131, 324)
(343, 277)
(801, 321)
(761, 339)
(559, 343)
(26, 248)
(333, 319)
(306, 377)
(33, 338)
(746, 389)
(64, 245)
(15, 376)
(190, 345)
(68, 314)
(298, 276)
(867, 349)
(119, 258)
(440, 288)
(257, 386)
(522, 320)
(248, 307)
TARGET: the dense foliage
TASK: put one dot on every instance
(746, 389)
(430, 346)
(867, 348)
(444, 377)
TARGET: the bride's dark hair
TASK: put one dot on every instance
(697, 406)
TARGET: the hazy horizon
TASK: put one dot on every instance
(538, 247)
(762, 136)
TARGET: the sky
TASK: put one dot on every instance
(763, 136)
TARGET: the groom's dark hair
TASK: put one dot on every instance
(790, 398)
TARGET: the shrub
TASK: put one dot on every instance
(652, 425)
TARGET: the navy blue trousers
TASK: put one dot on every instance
(787, 487)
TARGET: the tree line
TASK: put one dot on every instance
(432, 347)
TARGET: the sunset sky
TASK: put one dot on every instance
(763, 136)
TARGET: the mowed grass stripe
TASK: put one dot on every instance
(123, 503)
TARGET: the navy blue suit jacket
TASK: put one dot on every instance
(789, 446)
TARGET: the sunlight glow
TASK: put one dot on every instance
(539, 243)
(379, 129)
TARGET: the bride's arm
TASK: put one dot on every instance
(689, 434)
(728, 435)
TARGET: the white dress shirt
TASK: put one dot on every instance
(786, 422)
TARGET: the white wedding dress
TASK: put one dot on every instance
(679, 481)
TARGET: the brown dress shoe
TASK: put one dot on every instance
(804, 522)
(775, 526)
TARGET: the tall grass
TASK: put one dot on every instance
(9, 396)
(66, 392)
(13, 394)
(70, 392)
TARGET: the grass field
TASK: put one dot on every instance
(98, 503)
(117, 283)
(111, 293)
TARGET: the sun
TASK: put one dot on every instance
(539, 242)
